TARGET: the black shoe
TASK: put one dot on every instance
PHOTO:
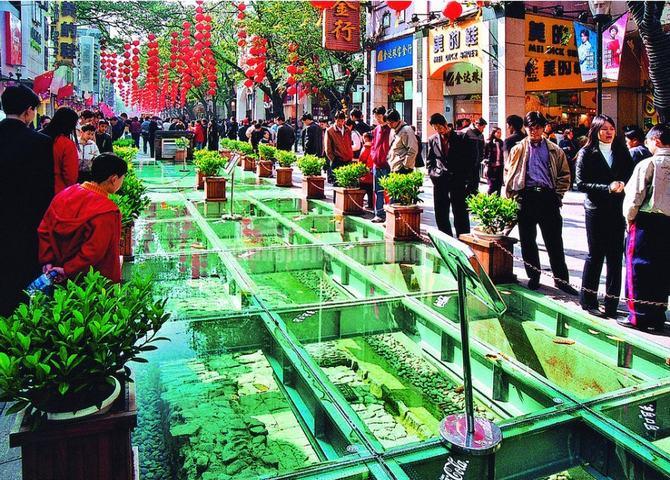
(624, 322)
(533, 283)
(589, 307)
(567, 288)
(611, 313)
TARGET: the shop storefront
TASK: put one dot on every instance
(455, 57)
(393, 66)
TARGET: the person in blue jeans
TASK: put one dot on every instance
(379, 152)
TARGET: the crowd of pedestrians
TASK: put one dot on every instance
(626, 181)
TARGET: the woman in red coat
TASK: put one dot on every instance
(200, 135)
(82, 227)
(66, 157)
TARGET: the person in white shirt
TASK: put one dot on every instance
(646, 207)
(356, 138)
(88, 150)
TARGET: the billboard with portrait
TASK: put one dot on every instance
(586, 41)
(613, 42)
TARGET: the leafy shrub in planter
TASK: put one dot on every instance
(403, 188)
(267, 152)
(284, 158)
(127, 153)
(244, 148)
(348, 176)
(493, 213)
(55, 350)
(311, 165)
(208, 163)
(132, 198)
(182, 143)
(225, 144)
(123, 142)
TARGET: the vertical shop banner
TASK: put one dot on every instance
(586, 40)
(65, 33)
(394, 54)
(12, 40)
(86, 51)
(342, 26)
(613, 42)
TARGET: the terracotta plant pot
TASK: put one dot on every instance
(126, 244)
(180, 155)
(84, 406)
(199, 181)
(349, 201)
(225, 153)
(239, 161)
(403, 222)
(494, 260)
(264, 168)
(313, 186)
(284, 177)
(215, 189)
(249, 164)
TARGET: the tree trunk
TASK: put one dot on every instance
(647, 16)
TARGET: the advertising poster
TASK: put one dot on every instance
(12, 39)
(586, 40)
(613, 42)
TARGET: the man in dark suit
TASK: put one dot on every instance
(449, 164)
(285, 135)
(312, 139)
(475, 134)
(26, 189)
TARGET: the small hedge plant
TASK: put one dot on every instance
(132, 198)
(208, 163)
(349, 176)
(126, 153)
(267, 152)
(285, 158)
(123, 142)
(403, 188)
(54, 349)
(493, 213)
(182, 143)
(311, 165)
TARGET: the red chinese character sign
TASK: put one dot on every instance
(12, 39)
(342, 27)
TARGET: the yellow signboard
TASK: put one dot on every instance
(452, 44)
(552, 62)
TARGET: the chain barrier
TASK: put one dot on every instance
(587, 290)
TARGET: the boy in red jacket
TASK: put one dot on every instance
(82, 227)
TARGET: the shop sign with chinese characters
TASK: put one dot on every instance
(342, 27)
(12, 39)
(394, 54)
(65, 33)
(552, 59)
(449, 45)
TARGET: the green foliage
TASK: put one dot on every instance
(285, 158)
(493, 213)
(348, 176)
(132, 198)
(267, 152)
(127, 153)
(226, 144)
(403, 188)
(311, 165)
(123, 142)
(244, 148)
(182, 143)
(208, 163)
(91, 328)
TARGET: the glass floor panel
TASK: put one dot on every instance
(306, 346)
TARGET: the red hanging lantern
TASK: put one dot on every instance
(291, 69)
(241, 7)
(291, 90)
(452, 10)
(241, 16)
(249, 83)
(322, 4)
(399, 5)
(241, 43)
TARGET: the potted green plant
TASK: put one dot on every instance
(284, 171)
(209, 165)
(60, 356)
(348, 195)
(198, 160)
(128, 153)
(403, 219)
(181, 144)
(132, 200)
(266, 155)
(249, 157)
(488, 241)
(123, 142)
(65, 358)
(312, 181)
(225, 147)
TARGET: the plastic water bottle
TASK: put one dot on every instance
(43, 283)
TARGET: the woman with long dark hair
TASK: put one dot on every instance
(494, 155)
(603, 168)
(66, 157)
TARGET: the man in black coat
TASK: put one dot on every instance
(475, 134)
(285, 135)
(450, 162)
(26, 189)
(312, 140)
(359, 125)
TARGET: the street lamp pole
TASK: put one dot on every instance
(601, 15)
